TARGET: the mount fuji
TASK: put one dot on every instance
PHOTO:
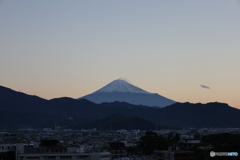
(121, 90)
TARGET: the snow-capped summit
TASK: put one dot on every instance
(121, 85)
(121, 90)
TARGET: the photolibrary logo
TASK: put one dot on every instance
(212, 153)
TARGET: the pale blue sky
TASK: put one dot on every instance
(71, 48)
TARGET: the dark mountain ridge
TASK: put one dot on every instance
(117, 121)
(212, 114)
(19, 110)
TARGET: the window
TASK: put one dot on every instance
(65, 157)
(82, 157)
(32, 157)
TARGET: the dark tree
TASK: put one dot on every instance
(225, 142)
(150, 142)
(10, 155)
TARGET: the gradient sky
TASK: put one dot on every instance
(72, 48)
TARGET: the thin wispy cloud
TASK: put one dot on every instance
(203, 86)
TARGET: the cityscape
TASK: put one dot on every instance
(55, 143)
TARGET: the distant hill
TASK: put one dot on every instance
(19, 110)
(118, 121)
(122, 91)
(121, 104)
(14, 101)
(198, 115)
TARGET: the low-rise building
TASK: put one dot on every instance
(173, 155)
(52, 150)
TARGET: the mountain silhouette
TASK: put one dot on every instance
(122, 91)
(19, 110)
